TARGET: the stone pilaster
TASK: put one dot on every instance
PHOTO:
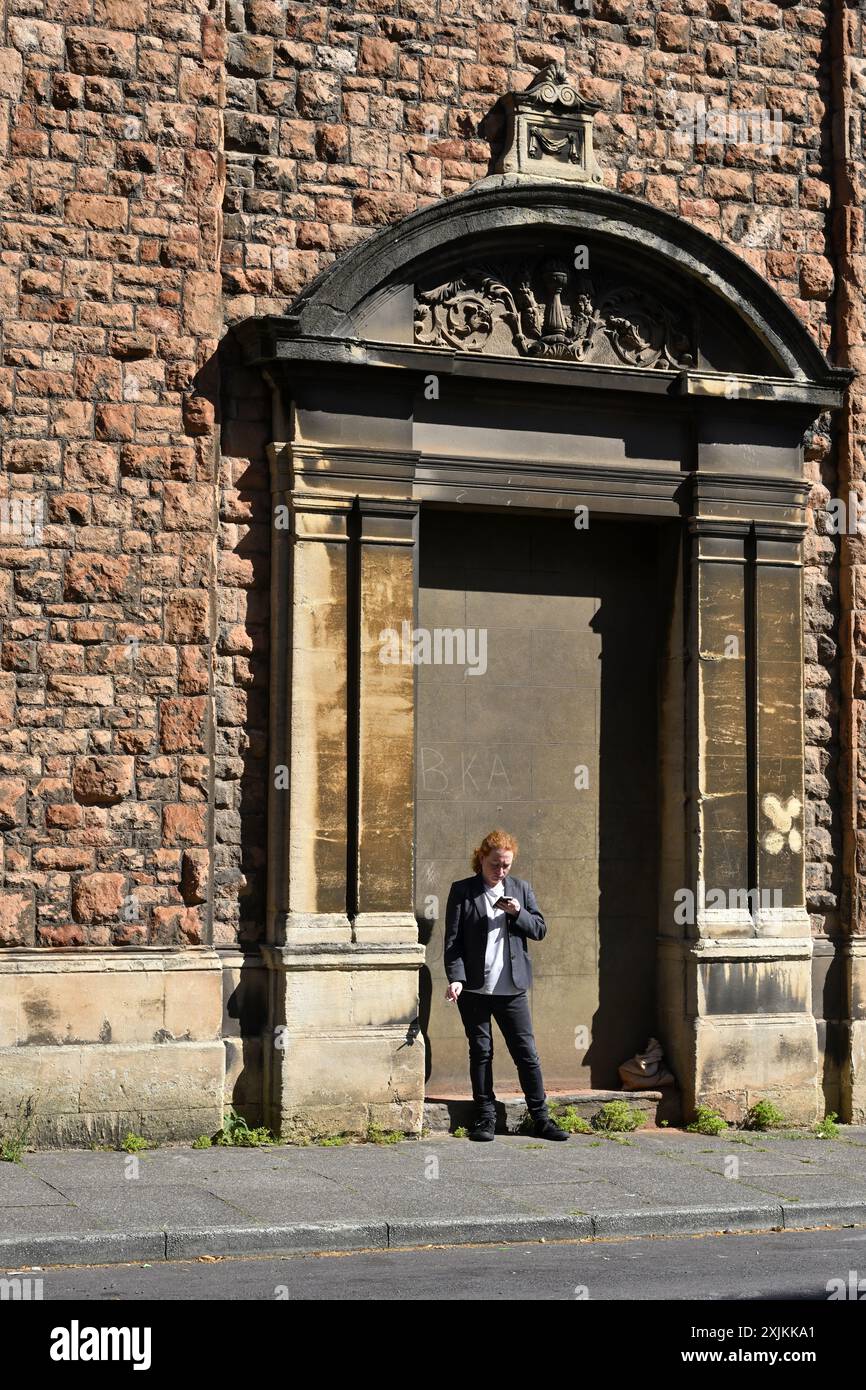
(746, 986)
(780, 796)
(340, 1049)
(384, 850)
(307, 918)
(310, 721)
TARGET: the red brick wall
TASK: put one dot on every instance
(110, 188)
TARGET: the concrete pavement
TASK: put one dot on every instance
(83, 1207)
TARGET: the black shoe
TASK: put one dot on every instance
(484, 1129)
(548, 1129)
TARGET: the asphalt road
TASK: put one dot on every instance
(790, 1265)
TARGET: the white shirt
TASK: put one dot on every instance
(498, 978)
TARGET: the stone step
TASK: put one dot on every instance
(444, 1114)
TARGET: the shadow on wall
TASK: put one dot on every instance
(242, 655)
(241, 674)
(245, 1021)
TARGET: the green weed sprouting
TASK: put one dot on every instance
(707, 1121)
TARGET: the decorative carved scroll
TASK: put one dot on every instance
(547, 310)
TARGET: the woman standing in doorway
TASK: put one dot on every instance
(488, 921)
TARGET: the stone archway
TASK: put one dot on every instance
(469, 357)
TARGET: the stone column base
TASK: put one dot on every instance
(854, 1076)
(343, 1049)
(739, 1061)
(101, 1043)
(736, 1023)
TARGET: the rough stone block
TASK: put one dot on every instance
(98, 897)
(11, 73)
(102, 781)
(101, 51)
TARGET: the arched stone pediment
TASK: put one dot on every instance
(580, 333)
(498, 271)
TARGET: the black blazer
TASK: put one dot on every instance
(466, 927)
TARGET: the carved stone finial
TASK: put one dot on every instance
(544, 131)
(550, 86)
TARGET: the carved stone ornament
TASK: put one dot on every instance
(545, 309)
(545, 131)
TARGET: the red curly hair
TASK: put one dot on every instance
(497, 839)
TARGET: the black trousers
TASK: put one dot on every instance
(511, 1012)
